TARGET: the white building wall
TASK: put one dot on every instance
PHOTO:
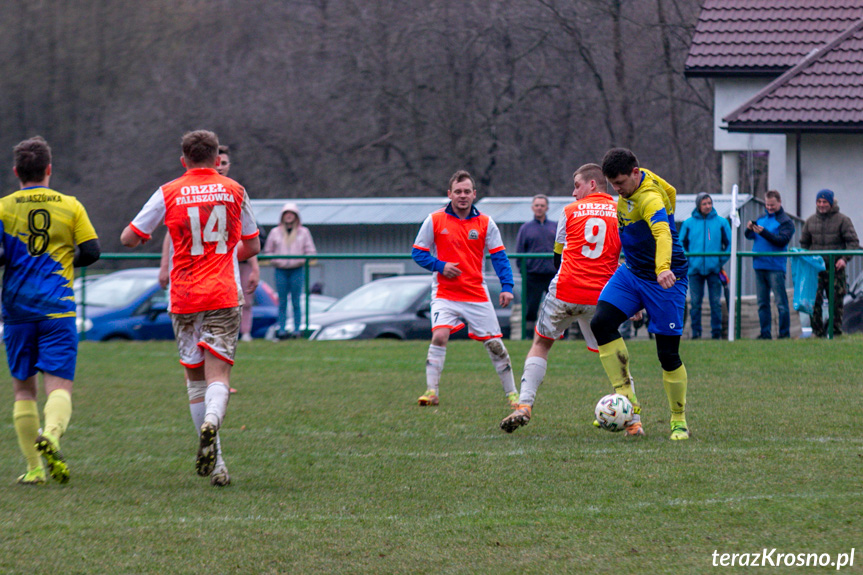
(833, 161)
(730, 94)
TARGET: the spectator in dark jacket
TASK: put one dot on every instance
(703, 232)
(537, 237)
(771, 233)
(827, 229)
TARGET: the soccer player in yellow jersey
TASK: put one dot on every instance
(653, 278)
(44, 234)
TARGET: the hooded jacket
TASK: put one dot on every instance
(830, 231)
(709, 233)
(297, 242)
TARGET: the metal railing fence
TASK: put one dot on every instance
(522, 265)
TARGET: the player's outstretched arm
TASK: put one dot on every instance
(130, 238)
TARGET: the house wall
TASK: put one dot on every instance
(833, 161)
(730, 94)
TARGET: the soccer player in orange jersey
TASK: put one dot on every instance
(211, 225)
(460, 235)
(586, 248)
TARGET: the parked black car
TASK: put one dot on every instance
(396, 308)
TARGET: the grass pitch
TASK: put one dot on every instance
(335, 468)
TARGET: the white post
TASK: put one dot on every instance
(732, 279)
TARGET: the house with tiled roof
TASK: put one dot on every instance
(788, 79)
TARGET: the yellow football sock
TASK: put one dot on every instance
(615, 360)
(675, 388)
(25, 414)
(58, 412)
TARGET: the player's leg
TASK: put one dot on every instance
(674, 381)
(21, 355)
(58, 352)
(483, 326)
(554, 317)
(619, 300)
(614, 356)
(444, 320)
(25, 415)
(218, 338)
(666, 309)
(535, 366)
(57, 414)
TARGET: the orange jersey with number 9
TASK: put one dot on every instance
(206, 215)
(587, 234)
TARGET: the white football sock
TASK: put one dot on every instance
(534, 373)
(216, 400)
(198, 411)
(501, 362)
(434, 366)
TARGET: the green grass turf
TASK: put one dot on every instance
(336, 469)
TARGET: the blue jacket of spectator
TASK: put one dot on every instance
(778, 229)
(709, 233)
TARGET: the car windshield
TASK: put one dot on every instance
(117, 291)
(382, 296)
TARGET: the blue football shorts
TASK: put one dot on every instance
(630, 294)
(49, 346)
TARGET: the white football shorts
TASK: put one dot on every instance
(555, 317)
(214, 331)
(480, 318)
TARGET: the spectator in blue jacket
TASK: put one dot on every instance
(703, 232)
(771, 233)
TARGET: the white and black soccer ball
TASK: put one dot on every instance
(613, 412)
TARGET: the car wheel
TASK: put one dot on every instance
(117, 337)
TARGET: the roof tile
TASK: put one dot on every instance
(740, 36)
(824, 91)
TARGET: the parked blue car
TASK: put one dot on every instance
(129, 304)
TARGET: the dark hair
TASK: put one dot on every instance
(590, 172)
(200, 147)
(773, 194)
(224, 149)
(618, 161)
(32, 158)
(461, 176)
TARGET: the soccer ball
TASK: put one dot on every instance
(613, 412)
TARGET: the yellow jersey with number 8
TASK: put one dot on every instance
(41, 228)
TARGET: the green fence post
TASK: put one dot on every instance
(738, 289)
(831, 264)
(522, 269)
(306, 280)
(83, 335)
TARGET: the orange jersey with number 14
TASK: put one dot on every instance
(206, 215)
(588, 241)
